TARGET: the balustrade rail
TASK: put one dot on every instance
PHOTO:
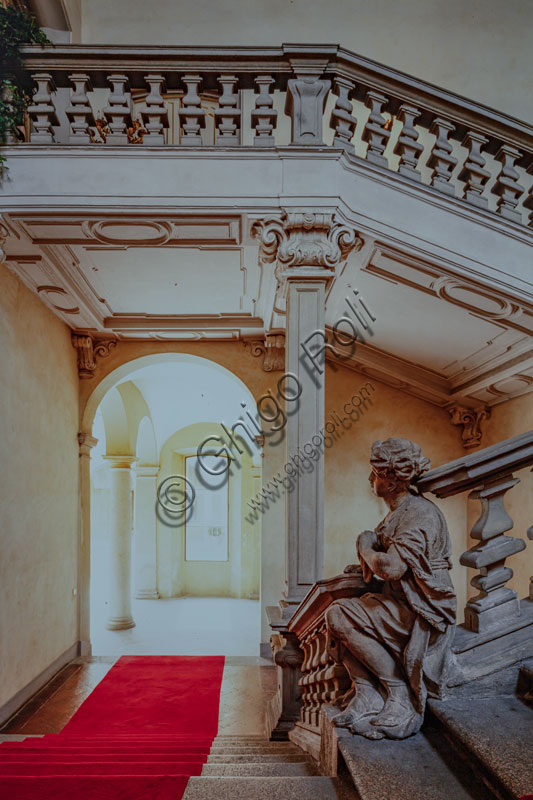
(293, 95)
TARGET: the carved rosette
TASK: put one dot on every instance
(305, 239)
(470, 419)
(88, 349)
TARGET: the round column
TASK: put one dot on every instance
(120, 535)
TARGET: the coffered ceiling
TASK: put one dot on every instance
(438, 333)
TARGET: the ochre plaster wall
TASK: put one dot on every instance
(509, 419)
(350, 506)
(38, 489)
(479, 49)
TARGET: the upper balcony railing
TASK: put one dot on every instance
(302, 95)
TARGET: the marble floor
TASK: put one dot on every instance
(182, 626)
(247, 686)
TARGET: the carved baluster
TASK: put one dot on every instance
(342, 120)
(227, 115)
(473, 172)
(264, 116)
(496, 602)
(528, 202)
(42, 111)
(305, 102)
(507, 186)
(441, 159)
(192, 115)
(155, 116)
(79, 111)
(118, 111)
(375, 131)
(408, 147)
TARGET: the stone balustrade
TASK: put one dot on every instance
(488, 474)
(498, 626)
(294, 95)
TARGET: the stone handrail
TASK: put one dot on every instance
(221, 96)
(323, 680)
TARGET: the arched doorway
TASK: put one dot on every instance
(160, 582)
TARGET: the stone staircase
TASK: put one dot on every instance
(477, 745)
(252, 768)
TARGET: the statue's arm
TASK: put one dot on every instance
(388, 566)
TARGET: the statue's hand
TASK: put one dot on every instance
(351, 568)
(367, 540)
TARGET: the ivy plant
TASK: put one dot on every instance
(16, 28)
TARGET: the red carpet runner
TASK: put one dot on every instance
(145, 729)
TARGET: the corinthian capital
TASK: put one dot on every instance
(305, 239)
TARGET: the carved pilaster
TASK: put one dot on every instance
(306, 99)
(470, 419)
(88, 349)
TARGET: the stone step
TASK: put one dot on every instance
(266, 749)
(258, 758)
(494, 735)
(261, 770)
(423, 767)
(204, 788)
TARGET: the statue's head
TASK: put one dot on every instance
(396, 464)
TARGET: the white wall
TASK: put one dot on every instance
(477, 48)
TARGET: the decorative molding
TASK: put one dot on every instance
(305, 239)
(86, 443)
(470, 419)
(271, 349)
(88, 349)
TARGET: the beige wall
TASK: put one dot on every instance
(350, 506)
(477, 48)
(509, 419)
(39, 487)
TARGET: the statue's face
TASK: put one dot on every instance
(383, 486)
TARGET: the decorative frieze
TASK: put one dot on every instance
(88, 350)
(471, 420)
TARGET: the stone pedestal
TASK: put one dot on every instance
(120, 535)
(145, 533)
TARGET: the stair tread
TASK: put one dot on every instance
(498, 731)
(255, 770)
(263, 788)
(410, 769)
(225, 758)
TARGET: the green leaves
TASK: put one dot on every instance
(16, 28)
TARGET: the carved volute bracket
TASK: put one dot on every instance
(471, 420)
(272, 351)
(88, 349)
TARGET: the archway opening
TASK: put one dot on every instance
(175, 558)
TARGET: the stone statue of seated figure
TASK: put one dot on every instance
(395, 642)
